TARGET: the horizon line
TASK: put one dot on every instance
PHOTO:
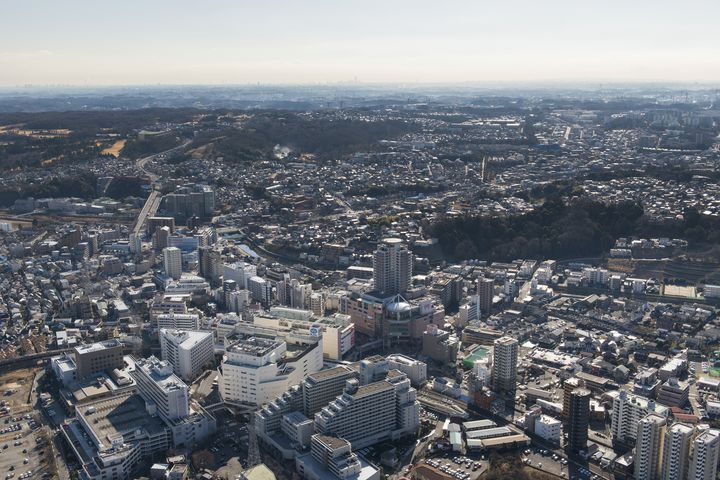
(548, 83)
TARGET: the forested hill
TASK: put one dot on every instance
(327, 139)
(553, 230)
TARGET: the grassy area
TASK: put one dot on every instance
(114, 149)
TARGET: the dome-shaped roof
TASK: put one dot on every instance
(399, 307)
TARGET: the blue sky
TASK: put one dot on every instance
(315, 41)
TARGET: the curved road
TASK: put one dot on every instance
(153, 201)
(141, 162)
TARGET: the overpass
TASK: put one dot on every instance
(149, 210)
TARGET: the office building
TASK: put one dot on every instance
(650, 435)
(676, 451)
(258, 366)
(504, 367)
(236, 301)
(161, 239)
(479, 336)
(337, 331)
(627, 411)
(373, 369)
(298, 429)
(158, 384)
(712, 291)
(111, 437)
(166, 395)
(392, 267)
(578, 420)
(98, 357)
(187, 284)
(189, 352)
(172, 262)
(135, 244)
(369, 414)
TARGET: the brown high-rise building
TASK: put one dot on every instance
(485, 291)
(98, 357)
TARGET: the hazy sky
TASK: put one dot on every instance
(240, 41)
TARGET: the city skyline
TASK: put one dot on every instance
(321, 42)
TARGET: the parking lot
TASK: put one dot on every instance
(24, 452)
(547, 462)
(461, 467)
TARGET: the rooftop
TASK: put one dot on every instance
(160, 372)
(119, 415)
(329, 373)
(331, 442)
(98, 346)
(254, 346)
(373, 388)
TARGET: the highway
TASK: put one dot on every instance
(141, 162)
(153, 201)
(149, 209)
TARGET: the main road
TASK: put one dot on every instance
(141, 162)
(153, 201)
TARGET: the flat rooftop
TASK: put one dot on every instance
(332, 442)
(329, 373)
(119, 415)
(253, 345)
(367, 471)
(160, 372)
(519, 438)
(96, 347)
(186, 338)
(66, 364)
(373, 388)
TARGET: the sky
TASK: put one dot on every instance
(130, 42)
